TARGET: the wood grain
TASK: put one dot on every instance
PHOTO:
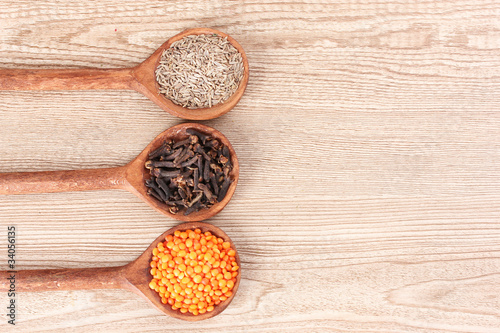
(369, 147)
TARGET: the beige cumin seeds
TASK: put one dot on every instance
(200, 71)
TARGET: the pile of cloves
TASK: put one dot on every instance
(190, 174)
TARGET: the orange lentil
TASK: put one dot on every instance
(193, 271)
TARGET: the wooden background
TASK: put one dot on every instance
(369, 144)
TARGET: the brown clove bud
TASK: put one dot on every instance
(203, 137)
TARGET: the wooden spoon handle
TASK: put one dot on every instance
(62, 181)
(63, 279)
(66, 79)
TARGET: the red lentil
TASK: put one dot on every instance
(193, 271)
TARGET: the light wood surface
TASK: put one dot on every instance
(369, 146)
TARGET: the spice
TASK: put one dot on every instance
(200, 71)
(193, 271)
(190, 174)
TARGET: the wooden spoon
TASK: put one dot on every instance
(130, 177)
(134, 276)
(140, 78)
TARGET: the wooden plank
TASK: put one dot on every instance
(369, 148)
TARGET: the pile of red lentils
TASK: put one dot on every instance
(193, 271)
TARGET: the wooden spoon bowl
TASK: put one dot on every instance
(130, 177)
(145, 75)
(134, 277)
(141, 78)
(143, 276)
(137, 174)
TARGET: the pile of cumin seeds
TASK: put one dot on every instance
(200, 71)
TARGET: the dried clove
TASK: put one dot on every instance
(159, 164)
(183, 157)
(206, 191)
(213, 182)
(189, 174)
(201, 136)
(155, 195)
(206, 171)
(159, 172)
(163, 186)
(164, 149)
(172, 156)
(189, 162)
(223, 189)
